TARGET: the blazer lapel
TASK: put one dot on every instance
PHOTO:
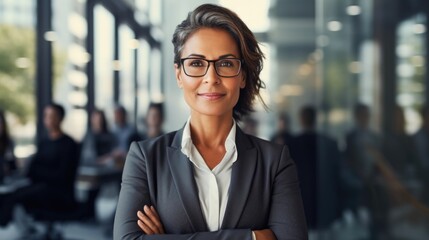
(183, 177)
(241, 180)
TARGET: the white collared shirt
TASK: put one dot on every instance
(213, 185)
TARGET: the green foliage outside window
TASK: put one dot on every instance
(17, 53)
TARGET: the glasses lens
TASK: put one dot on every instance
(228, 67)
(195, 67)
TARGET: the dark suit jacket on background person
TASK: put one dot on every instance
(317, 161)
(264, 192)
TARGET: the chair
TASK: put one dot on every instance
(76, 212)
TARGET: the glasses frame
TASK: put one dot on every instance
(182, 60)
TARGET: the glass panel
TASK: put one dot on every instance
(69, 61)
(17, 73)
(410, 69)
(104, 24)
(144, 60)
(127, 46)
(156, 94)
(155, 13)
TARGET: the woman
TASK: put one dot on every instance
(154, 120)
(209, 180)
(98, 142)
(7, 158)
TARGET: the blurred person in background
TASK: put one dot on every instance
(317, 159)
(421, 140)
(363, 184)
(360, 141)
(210, 180)
(98, 142)
(7, 164)
(282, 135)
(399, 149)
(52, 172)
(250, 125)
(152, 122)
(123, 132)
(7, 157)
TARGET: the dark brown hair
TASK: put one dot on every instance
(104, 128)
(213, 16)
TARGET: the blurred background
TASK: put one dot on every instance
(346, 87)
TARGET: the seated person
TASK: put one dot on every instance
(98, 142)
(7, 158)
(122, 132)
(52, 172)
(7, 162)
(152, 122)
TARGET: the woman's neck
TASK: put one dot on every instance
(210, 131)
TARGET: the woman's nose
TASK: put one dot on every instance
(211, 75)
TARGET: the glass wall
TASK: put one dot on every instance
(17, 72)
(373, 87)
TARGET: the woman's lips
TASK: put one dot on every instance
(211, 96)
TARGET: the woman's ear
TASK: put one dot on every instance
(177, 70)
(243, 83)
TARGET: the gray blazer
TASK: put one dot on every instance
(264, 192)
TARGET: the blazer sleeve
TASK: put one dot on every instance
(287, 218)
(135, 194)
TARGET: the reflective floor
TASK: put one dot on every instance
(75, 231)
(99, 229)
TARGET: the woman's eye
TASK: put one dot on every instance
(196, 63)
(226, 63)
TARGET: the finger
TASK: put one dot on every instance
(145, 228)
(148, 222)
(154, 218)
(157, 216)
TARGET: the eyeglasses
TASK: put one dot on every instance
(198, 67)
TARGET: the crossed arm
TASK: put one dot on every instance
(149, 221)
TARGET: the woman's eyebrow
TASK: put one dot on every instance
(220, 57)
(227, 56)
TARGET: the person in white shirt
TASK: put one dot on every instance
(210, 180)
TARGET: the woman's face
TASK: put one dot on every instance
(210, 94)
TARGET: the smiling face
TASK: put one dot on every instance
(210, 94)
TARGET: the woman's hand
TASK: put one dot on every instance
(265, 234)
(149, 221)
